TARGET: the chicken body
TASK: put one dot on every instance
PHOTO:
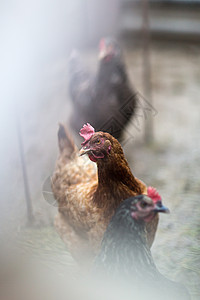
(125, 256)
(105, 99)
(87, 198)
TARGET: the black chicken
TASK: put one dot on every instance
(125, 256)
(105, 100)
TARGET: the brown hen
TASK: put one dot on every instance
(87, 198)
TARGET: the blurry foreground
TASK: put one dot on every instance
(172, 165)
(34, 261)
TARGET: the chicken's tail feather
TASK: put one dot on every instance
(65, 141)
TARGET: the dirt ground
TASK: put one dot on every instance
(171, 163)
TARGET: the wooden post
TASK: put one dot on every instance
(147, 88)
(30, 217)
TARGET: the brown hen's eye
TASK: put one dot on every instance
(98, 141)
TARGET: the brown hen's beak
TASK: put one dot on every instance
(84, 151)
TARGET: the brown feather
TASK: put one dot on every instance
(87, 199)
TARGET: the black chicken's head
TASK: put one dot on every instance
(112, 69)
(98, 145)
(145, 207)
(109, 49)
(142, 208)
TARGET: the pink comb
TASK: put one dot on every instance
(86, 132)
(102, 44)
(153, 194)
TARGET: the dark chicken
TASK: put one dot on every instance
(125, 255)
(87, 199)
(105, 100)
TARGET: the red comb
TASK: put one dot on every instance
(153, 194)
(86, 132)
(102, 44)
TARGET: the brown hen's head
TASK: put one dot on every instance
(145, 207)
(98, 145)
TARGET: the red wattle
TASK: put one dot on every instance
(92, 158)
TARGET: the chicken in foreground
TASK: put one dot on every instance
(105, 99)
(87, 198)
(125, 256)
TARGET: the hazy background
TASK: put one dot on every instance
(36, 40)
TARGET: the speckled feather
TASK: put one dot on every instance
(125, 257)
